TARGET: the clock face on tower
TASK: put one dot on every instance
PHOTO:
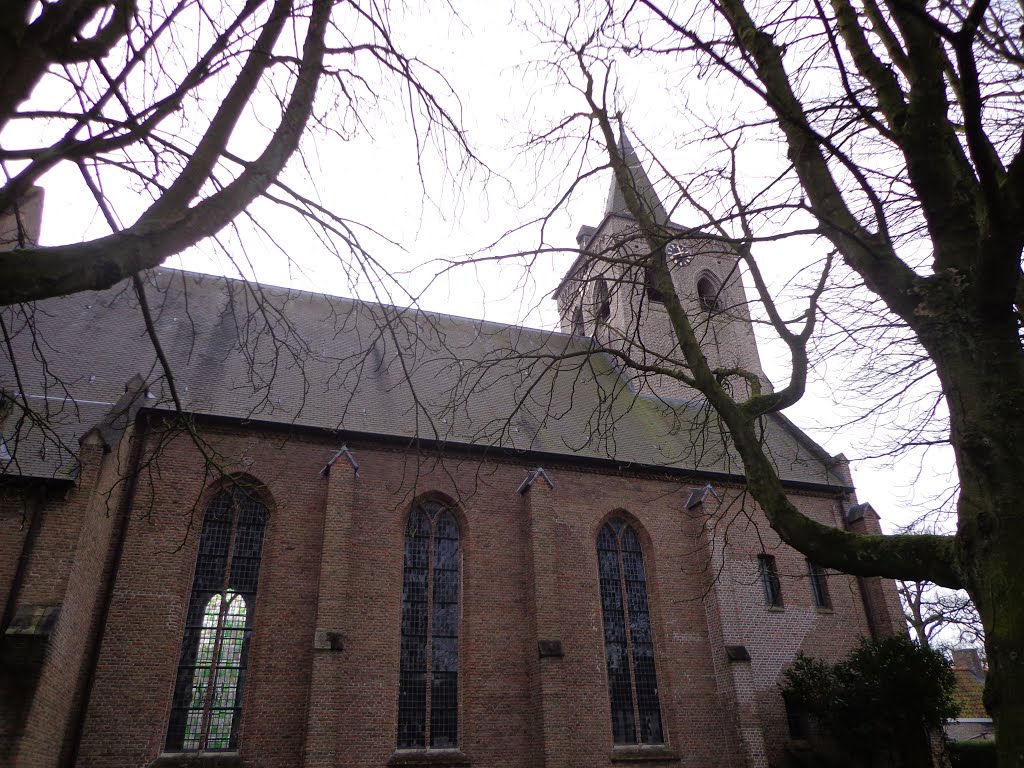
(679, 253)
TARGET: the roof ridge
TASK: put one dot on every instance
(289, 291)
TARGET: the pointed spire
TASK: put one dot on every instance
(641, 183)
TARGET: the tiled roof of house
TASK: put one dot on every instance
(968, 694)
(268, 354)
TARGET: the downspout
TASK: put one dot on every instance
(73, 739)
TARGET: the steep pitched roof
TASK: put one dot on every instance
(641, 183)
(259, 353)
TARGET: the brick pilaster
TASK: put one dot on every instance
(547, 675)
(742, 732)
(329, 673)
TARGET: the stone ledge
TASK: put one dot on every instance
(429, 758)
(658, 753)
(198, 760)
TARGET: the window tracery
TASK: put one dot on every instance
(429, 663)
(628, 636)
(218, 626)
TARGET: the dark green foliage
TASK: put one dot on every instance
(972, 754)
(881, 703)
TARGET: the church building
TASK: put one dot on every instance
(341, 533)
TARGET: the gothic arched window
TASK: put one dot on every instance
(628, 637)
(428, 712)
(211, 669)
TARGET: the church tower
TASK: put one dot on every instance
(607, 293)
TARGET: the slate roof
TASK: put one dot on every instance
(268, 354)
(641, 184)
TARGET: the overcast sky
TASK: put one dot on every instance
(429, 217)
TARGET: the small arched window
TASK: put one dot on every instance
(602, 302)
(628, 636)
(577, 322)
(709, 293)
(429, 666)
(214, 651)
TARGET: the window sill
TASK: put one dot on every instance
(197, 760)
(775, 608)
(823, 609)
(432, 758)
(656, 753)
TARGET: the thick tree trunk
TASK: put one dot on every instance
(978, 358)
(992, 546)
(1004, 685)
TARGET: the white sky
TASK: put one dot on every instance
(373, 179)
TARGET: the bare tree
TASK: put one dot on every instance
(940, 617)
(176, 117)
(904, 171)
(158, 101)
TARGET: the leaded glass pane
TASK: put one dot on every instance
(208, 689)
(428, 714)
(629, 654)
(642, 639)
(615, 640)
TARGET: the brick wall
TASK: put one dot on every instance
(338, 707)
(16, 512)
(67, 567)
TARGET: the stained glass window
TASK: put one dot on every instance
(628, 637)
(211, 668)
(429, 666)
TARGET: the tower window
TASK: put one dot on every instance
(602, 303)
(819, 585)
(218, 627)
(429, 665)
(650, 290)
(577, 321)
(709, 294)
(628, 637)
(769, 573)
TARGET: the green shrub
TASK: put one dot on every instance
(881, 703)
(972, 754)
